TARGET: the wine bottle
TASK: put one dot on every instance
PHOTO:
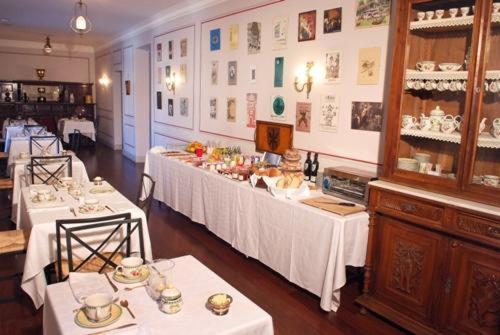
(314, 168)
(307, 167)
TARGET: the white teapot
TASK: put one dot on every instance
(436, 117)
(448, 124)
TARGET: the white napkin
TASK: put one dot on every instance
(84, 284)
(158, 149)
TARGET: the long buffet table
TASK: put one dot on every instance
(308, 246)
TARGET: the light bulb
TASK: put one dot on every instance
(81, 23)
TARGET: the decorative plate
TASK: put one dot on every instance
(38, 201)
(82, 320)
(124, 280)
(85, 210)
(279, 105)
(101, 189)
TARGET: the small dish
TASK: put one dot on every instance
(82, 320)
(101, 189)
(37, 200)
(124, 280)
(219, 303)
(85, 210)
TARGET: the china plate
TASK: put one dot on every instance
(101, 189)
(84, 210)
(124, 280)
(38, 201)
(82, 320)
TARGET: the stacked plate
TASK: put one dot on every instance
(409, 164)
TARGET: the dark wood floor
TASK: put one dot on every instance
(294, 311)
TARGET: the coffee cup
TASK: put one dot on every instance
(97, 306)
(464, 11)
(439, 13)
(420, 16)
(426, 66)
(91, 204)
(130, 267)
(43, 195)
(408, 121)
(491, 180)
(453, 12)
(429, 14)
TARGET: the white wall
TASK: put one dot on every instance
(354, 148)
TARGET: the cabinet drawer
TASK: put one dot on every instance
(411, 209)
(477, 227)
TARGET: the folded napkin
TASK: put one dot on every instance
(84, 284)
(157, 149)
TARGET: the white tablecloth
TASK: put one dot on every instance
(308, 246)
(196, 283)
(42, 243)
(14, 122)
(67, 126)
(22, 178)
(22, 144)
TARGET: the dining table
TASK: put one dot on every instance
(193, 279)
(40, 217)
(22, 178)
(8, 122)
(66, 126)
(21, 143)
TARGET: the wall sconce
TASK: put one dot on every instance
(104, 80)
(305, 79)
(171, 81)
(40, 73)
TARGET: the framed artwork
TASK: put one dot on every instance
(184, 106)
(213, 108)
(231, 110)
(215, 39)
(184, 47)
(253, 37)
(253, 74)
(332, 67)
(214, 73)
(170, 49)
(369, 66)
(233, 36)
(159, 75)
(251, 109)
(183, 73)
(232, 73)
(158, 100)
(170, 107)
(332, 20)
(273, 137)
(127, 87)
(278, 71)
(329, 117)
(372, 13)
(278, 107)
(280, 32)
(158, 52)
(303, 117)
(168, 71)
(366, 116)
(307, 26)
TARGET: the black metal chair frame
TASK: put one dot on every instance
(39, 165)
(145, 204)
(75, 140)
(72, 227)
(36, 141)
(30, 127)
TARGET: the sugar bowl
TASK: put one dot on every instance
(171, 300)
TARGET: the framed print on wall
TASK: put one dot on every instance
(307, 26)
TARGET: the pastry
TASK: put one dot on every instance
(274, 172)
(291, 155)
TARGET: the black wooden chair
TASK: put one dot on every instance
(34, 129)
(44, 144)
(82, 233)
(75, 140)
(145, 195)
(50, 169)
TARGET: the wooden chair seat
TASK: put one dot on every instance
(14, 241)
(6, 184)
(4, 155)
(93, 265)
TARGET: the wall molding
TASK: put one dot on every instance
(38, 45)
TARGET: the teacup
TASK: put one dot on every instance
(43, 195)
(458, 122)
(425, 123)
(66, 181)
(495, 127)
(426, 65)
(91, 204)
(453, 12)
(23, 155)
(494, 87)
(439, 13)
(130, 267)
(98, 180)
(448, 124)
(429, 14)
(496, 7)
(464, 11)
(97, 306)
(420, 16)
(447, 67)
(408, 122)
(491, 180)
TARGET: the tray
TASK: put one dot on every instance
(330, 205)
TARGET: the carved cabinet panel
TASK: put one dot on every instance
(473, 299)
(408, 268)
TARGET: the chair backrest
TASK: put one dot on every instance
(79, 232)
(145, 195)
(75, 140)
(34, 129)
(44, 144)
(50, 169)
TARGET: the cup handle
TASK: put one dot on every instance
(414, 119)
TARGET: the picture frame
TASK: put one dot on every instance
(307, 26)
(273, 137)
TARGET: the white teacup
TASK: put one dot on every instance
(491, 180)
(43, 195)
(447, 67)
(97, 306)
(426, 65)
(425, 123)
(429, 14)
(439, 13)
(24, 155)
(91, 204)
(496, 7)
(420, 16)
(408, 121)
(130, 267)
(464, 11)
(453, 12)
(66, 181)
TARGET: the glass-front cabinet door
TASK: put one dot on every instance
(435, 98)
(486, 151)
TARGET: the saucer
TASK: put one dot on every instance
(85, 210)
(38, 201)
(75, 193)
(82, 320)
(101, 189)
(124, 280)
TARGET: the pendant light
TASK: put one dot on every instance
(47, 48)
(80, 22)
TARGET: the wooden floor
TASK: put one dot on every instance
(294, 311)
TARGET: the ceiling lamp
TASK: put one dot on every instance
(47, 48)
(80, 23)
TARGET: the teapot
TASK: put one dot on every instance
(448, 124)
(436, 117)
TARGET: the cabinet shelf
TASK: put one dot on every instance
(485, 140)
(449, 24)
